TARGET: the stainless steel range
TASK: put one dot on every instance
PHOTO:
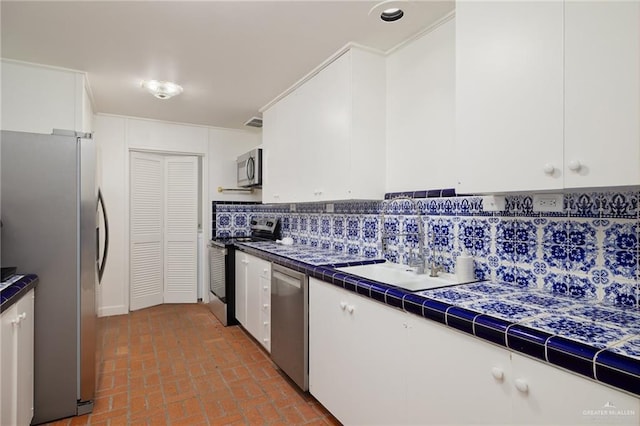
(222, 280)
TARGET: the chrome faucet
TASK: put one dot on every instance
(416, 260)
(434, 267)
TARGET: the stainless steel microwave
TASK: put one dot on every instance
(249, 168)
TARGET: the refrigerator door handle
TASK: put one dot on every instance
(102, 264)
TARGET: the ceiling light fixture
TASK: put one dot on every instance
(162, 89)
(390, 10)
(391, 14)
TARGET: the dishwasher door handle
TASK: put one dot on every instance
(287, 279)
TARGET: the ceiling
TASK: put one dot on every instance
(231, 57)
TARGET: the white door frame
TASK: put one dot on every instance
(206, 215)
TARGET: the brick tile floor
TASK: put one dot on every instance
(177, 365)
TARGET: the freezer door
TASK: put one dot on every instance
(88, 274)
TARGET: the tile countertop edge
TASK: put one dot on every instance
(15, 291)
(590, 362)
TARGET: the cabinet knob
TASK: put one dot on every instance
(497, 373)
(265, 323)
(265, 270)
(265, 288)
(574, 165)
(522, 385)
(343, 305)
(265, 306)
(351, 308)
(548, 168)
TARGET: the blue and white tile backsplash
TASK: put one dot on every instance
(591, 251)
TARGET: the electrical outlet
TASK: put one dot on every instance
(494, 203)
(548, 203)
(328, 208)
(292, 208)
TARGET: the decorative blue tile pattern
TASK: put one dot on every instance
(570, 245)
(621, 249)
(306, 254)
(570, 285)
(592, 333)
(589, 251)
(503, 309)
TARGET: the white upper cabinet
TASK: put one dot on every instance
(547, 95)
(326, 139)
(39, 99)
(509, 96)
(602, 93)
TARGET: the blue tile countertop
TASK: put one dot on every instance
(12, 293)
(596, 341)
(314, 256)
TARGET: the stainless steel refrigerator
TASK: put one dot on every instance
(48, 208)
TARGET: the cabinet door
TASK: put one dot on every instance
(258, 271)
(8, 370)
(284, 150)
(509, 102)
(25, 359)
(602, 93)
(326, 98)
(241, 287)
(352, 340)
(455, 378)
(265, 312)
(547, 395)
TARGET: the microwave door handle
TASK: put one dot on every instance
(251, 168)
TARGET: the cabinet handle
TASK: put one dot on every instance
(549, 169)
(351, 308)
(265, 323)
(265, 288)
(497, 373)
(265, 340)
(522, 385)
(343, 305)
(575, 166)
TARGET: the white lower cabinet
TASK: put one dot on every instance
(373, 364)
(356, 348)
(253, 296)
(454, 379)
(16, 362)
(544, 395)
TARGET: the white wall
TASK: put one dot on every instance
(38, 99)
(116, 137)
(224, 147)
(421, 112)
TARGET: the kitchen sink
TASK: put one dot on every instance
(401, 276)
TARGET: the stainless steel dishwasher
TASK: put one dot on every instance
(290, 323)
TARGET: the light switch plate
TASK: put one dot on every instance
(548, 203)
(494, 203)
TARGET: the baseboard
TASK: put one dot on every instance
(108, 311)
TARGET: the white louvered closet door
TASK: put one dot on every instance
(181, 230)
(146, 229)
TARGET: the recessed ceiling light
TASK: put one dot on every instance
(162, 89)
(391, 14)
